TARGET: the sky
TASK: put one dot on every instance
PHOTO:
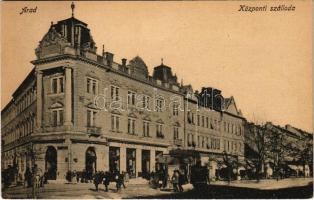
(262, 59)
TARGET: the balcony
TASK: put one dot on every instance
(94, 131)
(178, 142)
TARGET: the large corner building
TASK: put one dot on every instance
(78, 110)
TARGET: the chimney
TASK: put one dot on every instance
(123, 61)
(109, 58)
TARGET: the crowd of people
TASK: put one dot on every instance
(160, 179)
(105, 178)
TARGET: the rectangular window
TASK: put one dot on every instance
(57, 117)
(115, 123)
(198, 120)
(228, 149)
(175, 132)
(88, 85)
(193, 118)
(131, 126)
(91, 86)
(91, 118)
(198, 141)
(206, 122)
(112, 122)
(203, 121)
(211, 124)
(159, 132)
(189, 118)
(131, 98)
(61, 84)
(57, 85)
(145, 102)
(146, 129)
(218, 144)
(175, 111)
(159, 105)
(114, 93)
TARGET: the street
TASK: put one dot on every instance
(139, 188)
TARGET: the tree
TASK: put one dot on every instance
(256, 141)
(231, 162)
(276, 148)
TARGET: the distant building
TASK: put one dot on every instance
(294, 148)
(78, 110)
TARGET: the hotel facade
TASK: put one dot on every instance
(79, 110)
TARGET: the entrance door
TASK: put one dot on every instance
(131, 162)
(145, 163)
(51, 163)
(114, 159)
(90, 162)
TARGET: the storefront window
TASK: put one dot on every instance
(131, 162)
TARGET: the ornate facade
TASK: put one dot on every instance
(78, 110)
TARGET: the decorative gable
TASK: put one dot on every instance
(51, 44)
(132, 115)
(147, 118)
(91, 106)
(116, 111)
(160, 121)
(56, 105)
(176, 124)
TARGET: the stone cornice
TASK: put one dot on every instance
(102, 66)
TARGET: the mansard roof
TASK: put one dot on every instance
(72, 20)
(164, 73)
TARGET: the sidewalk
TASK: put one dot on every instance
(267, 184)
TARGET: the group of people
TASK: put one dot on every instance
(8, 176)
(105, 178)
(161, 179)
(32, 177)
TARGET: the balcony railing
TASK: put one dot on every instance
(93, 130)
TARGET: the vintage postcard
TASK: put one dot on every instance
(156, 99)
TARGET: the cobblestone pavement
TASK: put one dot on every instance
(139, 188)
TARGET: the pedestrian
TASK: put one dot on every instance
(175, 180)
(35, 181)
(97, 179)
(77, 177)
(164, 177)
(27, 177)
(117, 179)
(106, 180)
(122, 179)
(181, 181)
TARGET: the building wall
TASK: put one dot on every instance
(215, 132)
